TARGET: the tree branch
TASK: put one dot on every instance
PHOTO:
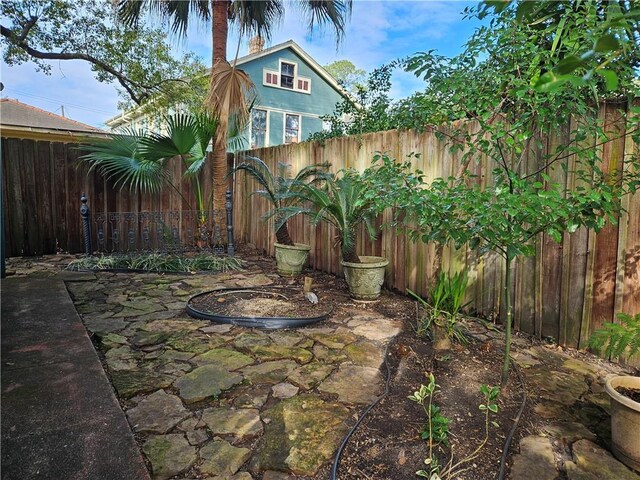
(562, 157)
(126, 83)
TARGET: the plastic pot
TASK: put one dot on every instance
(625, 421)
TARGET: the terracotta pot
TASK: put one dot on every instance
(291, 258)
(365, 279)
(625, 421)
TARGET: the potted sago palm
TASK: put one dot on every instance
(281, 191)
(344, 201)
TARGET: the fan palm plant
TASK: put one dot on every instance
(138, 160)
(228, 84)
(281, 190)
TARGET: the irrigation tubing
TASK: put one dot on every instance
(507, 442)
(336, 460)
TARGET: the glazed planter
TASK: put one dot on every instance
(365, 279)
(625, 421)
(291, 258)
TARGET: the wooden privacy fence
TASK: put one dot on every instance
(565, 292)
(42, 185)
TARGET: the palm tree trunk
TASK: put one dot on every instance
(219, 29)
(350, 255)
(283, 237)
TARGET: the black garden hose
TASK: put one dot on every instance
(336, 460)
(507, 442)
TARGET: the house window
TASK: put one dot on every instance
(258, 128)
(287, 74)
(287, 77)
(291, 128)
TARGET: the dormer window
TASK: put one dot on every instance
(287, 74)
(286, 77)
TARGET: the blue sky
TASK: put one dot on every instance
(379, 32)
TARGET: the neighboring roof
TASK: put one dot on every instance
(27, 121)
(123, 117)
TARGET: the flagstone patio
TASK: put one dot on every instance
(223, 400)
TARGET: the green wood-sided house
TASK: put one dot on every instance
(293, 92)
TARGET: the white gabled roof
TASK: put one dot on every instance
(125, 116)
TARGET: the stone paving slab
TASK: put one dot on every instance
(60, 418)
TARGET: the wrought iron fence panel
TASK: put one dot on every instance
(173, 231)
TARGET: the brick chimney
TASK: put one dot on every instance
(256, 44)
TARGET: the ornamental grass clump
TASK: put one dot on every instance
(158, 262)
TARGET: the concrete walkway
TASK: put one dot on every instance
(60, 416)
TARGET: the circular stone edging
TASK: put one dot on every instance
(252, 322)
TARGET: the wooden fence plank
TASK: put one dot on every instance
(606, 247)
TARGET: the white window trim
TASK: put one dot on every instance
(266, 132)
(279, 74)
(284, 126)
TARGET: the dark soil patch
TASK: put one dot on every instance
(632, 393)
(388, 445)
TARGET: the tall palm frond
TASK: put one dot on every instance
(120, 159)
(256, 18)
(228, 95)
(179, 14)
(334, 13)
(238, 128)
(187, 137)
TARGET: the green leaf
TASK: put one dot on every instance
(610, 78)
(512, 251)
(568, 64)
(549, 82)
(606, 43)
(555, 234)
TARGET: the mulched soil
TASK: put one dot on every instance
(387, 444)
(632, 393)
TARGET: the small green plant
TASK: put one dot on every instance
(157, 262)
(436, 430)
(618, 338)
(447, 300)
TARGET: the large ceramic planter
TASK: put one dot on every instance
(625, 421)
(365, 279)
(291, 258)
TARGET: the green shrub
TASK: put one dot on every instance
(618, 338)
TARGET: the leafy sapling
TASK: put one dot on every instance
(436, 430)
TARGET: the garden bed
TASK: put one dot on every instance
(387, 444)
